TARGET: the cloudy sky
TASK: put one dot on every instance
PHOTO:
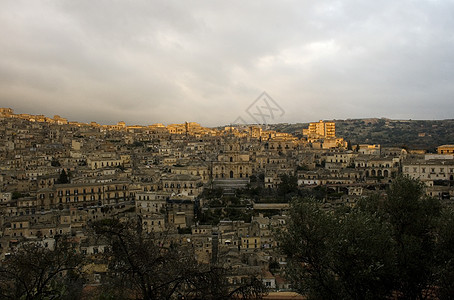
(147, 61)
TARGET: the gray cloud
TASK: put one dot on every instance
(170, 61)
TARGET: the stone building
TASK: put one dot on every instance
(232, 163)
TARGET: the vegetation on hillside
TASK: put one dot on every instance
(415, 134)
(399, 246)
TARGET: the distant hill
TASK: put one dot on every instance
(415, 134)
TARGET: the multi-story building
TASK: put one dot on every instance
(180, 211)
(148, 203)
(184, 184)
(232, 163)
(376, 166)
(429, 170)
(435, 173)
(321, 130)
(445, 149)
(83, 194)
(196, 169)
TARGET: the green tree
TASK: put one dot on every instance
(55, 163)
(336, 255)
(36, 272)
(149, 266)
(17, 195)
(63, 178)
(445, 256)
(288, 185)
(214, 193)
(414, 219)
(400, 245)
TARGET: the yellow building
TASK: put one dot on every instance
(321, 129)
(252, 242)
(232, 163)
(329, 143)
(59, 120)
(6, 112)
(445, 149)
(83, 194)
(185, 184)
(177, 128)
(255, 131)
(200, 169)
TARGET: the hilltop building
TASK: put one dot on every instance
(445, 149)
(321, 129)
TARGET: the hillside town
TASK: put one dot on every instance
(225, 192)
